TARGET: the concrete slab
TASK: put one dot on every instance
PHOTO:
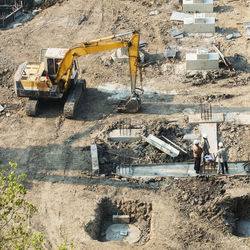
(161, 145)
(94, 157)
(211, 130)
(202, 6)
(127, 135)
(216, 117)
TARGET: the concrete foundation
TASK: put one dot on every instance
(202, 6)
(196, 118)
(202, 61)
(177, 169)
(199, 23)
(127, 135)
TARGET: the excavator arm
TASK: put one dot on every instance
(95, 46)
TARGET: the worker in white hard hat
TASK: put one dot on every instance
(197, 151)
(222, 159)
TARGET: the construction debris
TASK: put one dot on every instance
(247, 29)
(176, 33)
(227, 63)
(154, 13)
(179, 16)
(234, 34)
(161, 145)
(170, 53)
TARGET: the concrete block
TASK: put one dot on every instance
(202, 54)
(202, 6)
(198, 24)
(94, 157)
(127, 135)
(194, 63)
(123, 219)
(161, 145)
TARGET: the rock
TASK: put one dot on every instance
(8, 114)
(17, 25)
(1, 108)
(36, 12)
(185, 197)
(83, 19)
(154, 13)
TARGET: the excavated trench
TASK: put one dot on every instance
(104, 228)
(240, 216)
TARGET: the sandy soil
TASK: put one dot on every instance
(54, 151)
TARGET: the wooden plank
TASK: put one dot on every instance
(161, 145)
(94, 157)
(224, 59)
(175, 145)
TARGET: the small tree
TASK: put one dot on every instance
(15, 212)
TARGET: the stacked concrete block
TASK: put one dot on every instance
(199, 23)
(202, 6)
(202, 60)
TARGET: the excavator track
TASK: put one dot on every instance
(73, 98)
(32, 107)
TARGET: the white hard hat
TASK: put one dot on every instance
(205, 136)
(196, 142)
(220, 144)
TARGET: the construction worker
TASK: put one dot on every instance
(197, 151)
(205, 145)
(222, 159)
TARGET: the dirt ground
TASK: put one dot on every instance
(188, 213)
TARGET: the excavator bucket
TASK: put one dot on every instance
(131, 105)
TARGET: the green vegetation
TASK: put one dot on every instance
(15, 212)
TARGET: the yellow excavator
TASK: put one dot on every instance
(56, 75)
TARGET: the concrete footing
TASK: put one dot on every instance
(202, 60)
(199, 23)
(127, 135)
(202, 6)
(177, 169)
